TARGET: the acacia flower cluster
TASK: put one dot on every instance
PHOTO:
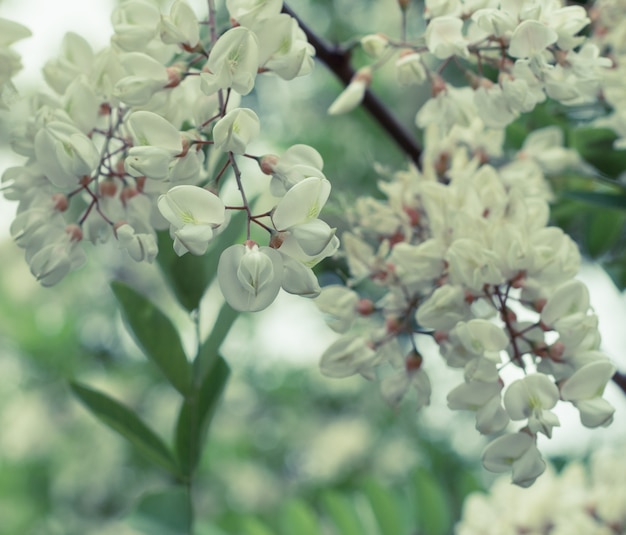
(587, 500)
(128, 144)
(534, 47)
(461, 251)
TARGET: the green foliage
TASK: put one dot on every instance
(196, 413)
(370, 507)
(156, 336)
(431, 503)
(298, 517)
(208, 352)
(163, 513)
(341, 512)
(385, 507)
(603, 231)
(123, 420)
(599, 198)
(595, 146)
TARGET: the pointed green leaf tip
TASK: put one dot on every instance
(123, 420)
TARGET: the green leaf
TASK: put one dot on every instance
(156, 335)
(297, 517)
(189, 276)
(603, 230)
(123, 420)
(196, 414)
(163, 513)
(211, 346)
(433, 509)
(598, 198)
(385, 508)
(253, 526)
(595, 145)
(342, 513)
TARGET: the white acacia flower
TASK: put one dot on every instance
(247, 12)
(150, 129)
(585, 388)
(338, 304)
(76, 58)
(180, 27)
(516, 452)
(233, 62)
(298, 278)
(297, 163)
(250, 276)
(347, 356)
(444, 37)
(193, 214)
(56, 254)
(65, 153)
(297, 212)
(410, 70)
(157, 143)
(235, 130)
(443, 309)
(140, 246)
(283, 47)
(530, 39)
(135, 23)
(146, 76)
(532, 397)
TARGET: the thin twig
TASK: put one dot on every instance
(620, 380)
(338, 62)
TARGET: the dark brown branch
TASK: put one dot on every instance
(338, 62)
(620, 380)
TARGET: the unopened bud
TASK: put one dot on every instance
(556, 350)
(519, 280)
(127, 193)
(440, 336)
(375, 45)
(60, 202)
(438, 85)
(174, 76)
(108, 188)
(105, 109)
(268, 163)
(277, 240)
(365, 307)
(140, 182)
(539, 304)
(393, 325)
(75, 232)
(413, 361)
(414, 215)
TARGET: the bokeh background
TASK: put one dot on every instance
(287, 443)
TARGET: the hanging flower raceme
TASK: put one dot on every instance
(459, 258)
